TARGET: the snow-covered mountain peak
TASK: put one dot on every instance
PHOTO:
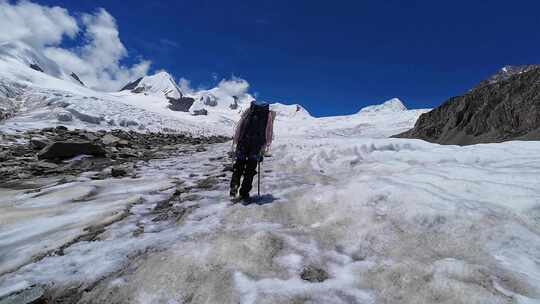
(25, 54)
(391, 106)
(161, 84)
(290, 111)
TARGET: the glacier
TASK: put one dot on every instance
(347, 215)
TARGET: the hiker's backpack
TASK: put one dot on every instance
(254, 133)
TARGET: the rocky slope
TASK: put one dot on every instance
(501, 109)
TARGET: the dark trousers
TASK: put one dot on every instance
(246, 167)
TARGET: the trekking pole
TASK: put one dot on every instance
(259, 181)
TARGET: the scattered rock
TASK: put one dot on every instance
(200, 112)
(109, 140)
(191, 197)
(38, 143)
(118, 171)
(44, 165)
(128, 123)
(64, 116)
(207, 183)
(90, 136)
(68, 149)
(314, 274)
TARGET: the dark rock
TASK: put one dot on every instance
(128, 123)
(314, 275)
(38, 143)
(508, 109)
(68, 149)
(234, 105)
(118, 171)
(74, 76)
(132, 85)
(182, 104)
(36, 67)
(200, 112)
(506, 72)
(209, 100)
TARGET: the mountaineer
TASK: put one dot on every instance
(253, 137)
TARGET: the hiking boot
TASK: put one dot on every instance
(245, 197)
(234, 191)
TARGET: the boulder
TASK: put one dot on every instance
(109, 140)
(200, 112)
(38, 143)
(314, 274)
(69, 149)
(118, 171)
(64, 116)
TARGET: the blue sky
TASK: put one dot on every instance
(333, 57)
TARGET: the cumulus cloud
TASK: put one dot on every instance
(97, 62)
(234, 87)
(35, 24)
(185, 86)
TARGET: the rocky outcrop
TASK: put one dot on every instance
(69, 149)
(506, 72)
(36, 67)
(132, 85)
(506, 109)
(182, 104)
(74, 76)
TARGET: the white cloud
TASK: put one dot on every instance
(185, 86)
(35, 24)
(97, 62)
(234, 87)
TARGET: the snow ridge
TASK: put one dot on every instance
(392, 105)
(161, 84)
